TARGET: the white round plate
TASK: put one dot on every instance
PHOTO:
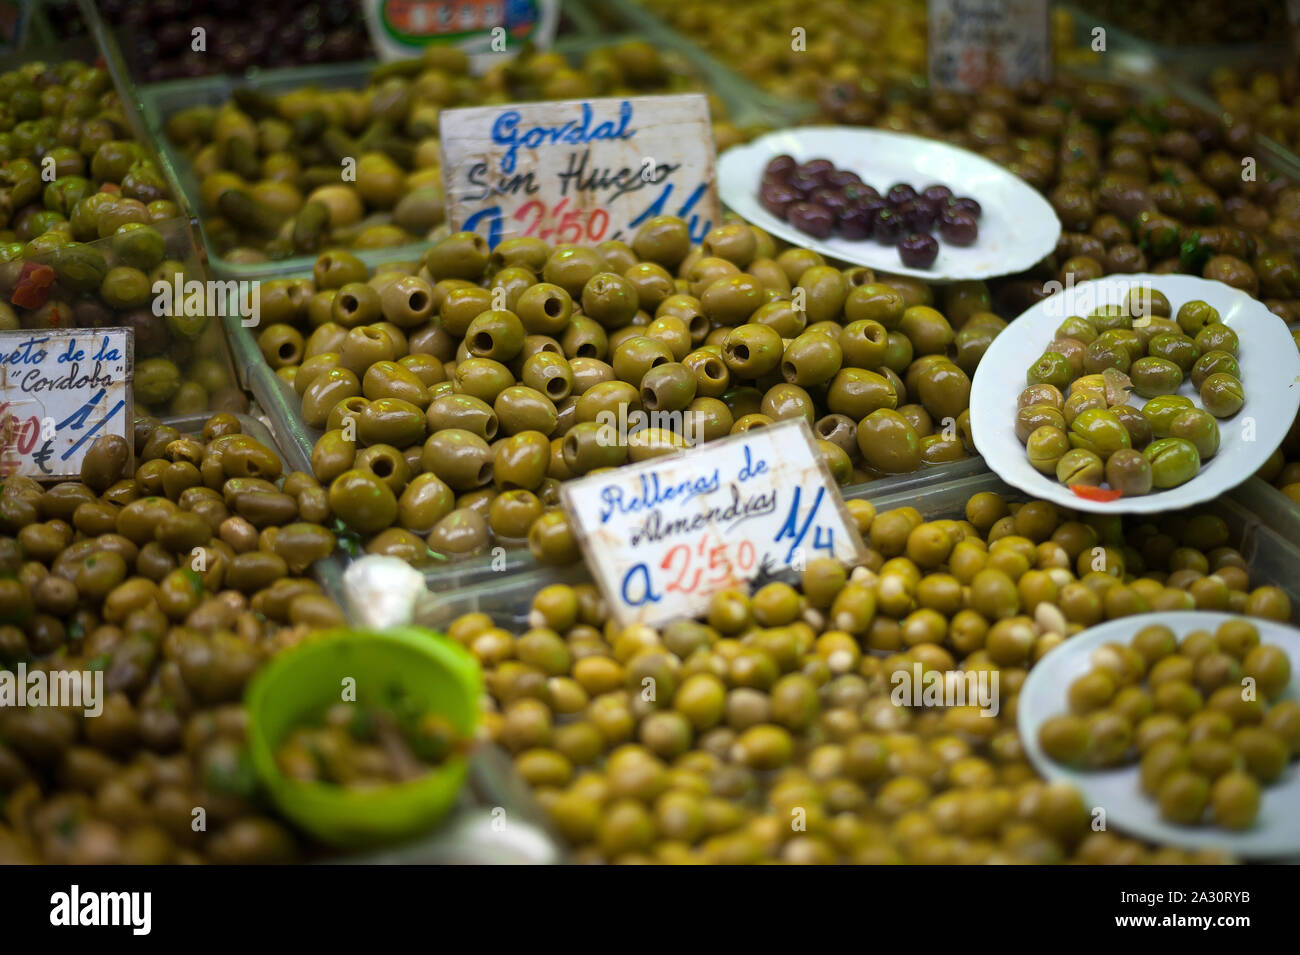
(1018, 227)
(1270, 368)
(1276, 832)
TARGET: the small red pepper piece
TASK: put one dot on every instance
(110, 187)
(1088, 492)
(34, 284)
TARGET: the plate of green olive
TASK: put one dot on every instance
(1017, 227)
(1183, 727)
(1136, 394)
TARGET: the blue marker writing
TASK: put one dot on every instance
(507, 132)
(647, 593)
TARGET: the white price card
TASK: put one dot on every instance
(661, 537)
(579, 171)
(60, 389)
(975, 43)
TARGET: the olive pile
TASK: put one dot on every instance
(1198, 23)
(365, 747)
(238, 36)
(1074, 418)
(104, 574)
(83, 249)
(270, 168)
(456, 393)
(818, 199)
(1268, 99)
(69, 112)
(843, 43)
(1138, 187)
(766, 729)
(1181, 707)
(180, 359)
(757, 39)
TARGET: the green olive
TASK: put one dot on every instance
(1195, 315)
(1198, 427)
(1154, 376)
(1214, 362)
(1222, 395)
(1053, 369)
(751, 351)
(1217, 337)
(1129, 472)
(888, 442)
(857, 393)
(362, 501)
(1161, 411)
(460, 458)
(1045, 447)
(1100, 431)
(498, 335)
(1080, 466)
(1173, 461)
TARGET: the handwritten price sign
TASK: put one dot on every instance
(974, 43)
(663, 536)
(579, 171)
(60, 389)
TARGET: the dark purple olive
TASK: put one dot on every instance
(172, 36)
(918, 250)
(919, 215)
(811, 218)
(776, 198)
(771, 180)
(959, 228)
(889, 227)
(818, 167)
(804, 182)
(899, 193)
(830, 197)
(842, 177)
(857, 222)
(779, 167)
(860, 190)
(937, 192)
(873, 204)
(967, 204)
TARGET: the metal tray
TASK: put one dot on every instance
(496, 819)
(1161, 56)
(1274, 509)
(1272, 556)
(282, 408)
(158, 101)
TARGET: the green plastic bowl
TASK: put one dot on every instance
(299, 683)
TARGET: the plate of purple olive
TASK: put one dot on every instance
(889, 201)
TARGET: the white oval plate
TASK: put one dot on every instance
(1270, 368)
(1018, 227)
(1276, 832)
